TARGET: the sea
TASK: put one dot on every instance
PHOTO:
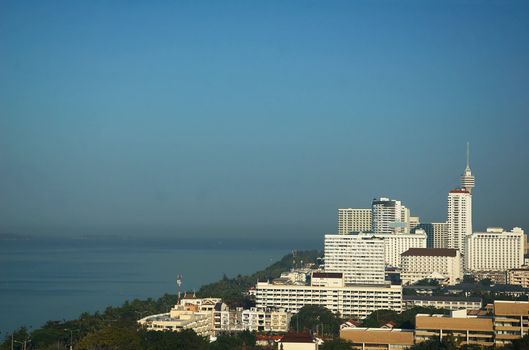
(59, 278)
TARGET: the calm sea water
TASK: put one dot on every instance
(57, 279)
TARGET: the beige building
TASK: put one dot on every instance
(353, 220)
(432, 263)
(378, 338)
(511, 321)
(518, 276)
(463, 328)
(499, 326)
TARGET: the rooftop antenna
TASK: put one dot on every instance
(468, 154)
(179, 283)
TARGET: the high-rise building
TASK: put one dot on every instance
(495, 250)
(353, 220)
(437, 233)
(467, 179)
(360, 257)
(459, 218)
(389, 216)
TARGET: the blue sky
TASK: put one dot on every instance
(241, 119)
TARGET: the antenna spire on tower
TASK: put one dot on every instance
(468, 154)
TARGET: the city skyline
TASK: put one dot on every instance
(242, 121)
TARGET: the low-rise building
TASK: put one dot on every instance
(208, 316)
(511, 321)
(441, 302)
(298, 341)
(330, 291)
(378, 338)
(431, 263)
(519, 277)
(497, 326)
(463, 328)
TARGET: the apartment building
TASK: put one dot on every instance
(459, 218)
(389, 216)
(353, 220)
(360, 257)
(518, 277)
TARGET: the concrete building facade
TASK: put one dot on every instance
(353, 220)
(432, 263)
(495, 250)
(360, 257)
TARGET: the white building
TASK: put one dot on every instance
(459, 218)
(389, 216)
(495, 250)
(396, 244)
(359, 256)
(353, 220)
(357, 301)
(432, 263)
(207, 316)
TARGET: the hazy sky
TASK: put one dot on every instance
(246, 118)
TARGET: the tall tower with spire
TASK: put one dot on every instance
(467, 179)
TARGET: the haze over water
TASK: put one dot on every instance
(55, 279)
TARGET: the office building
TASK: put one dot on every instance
(495, 250)
(459, 218)
(360, 257)
(431, 263)
(353, 220)
(329, 290)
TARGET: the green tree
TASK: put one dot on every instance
(336, 344)
(111, 338)
(379, 318)
(317, 319)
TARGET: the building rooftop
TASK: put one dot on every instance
(327, 274)
(459, 190)
(430, 252)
